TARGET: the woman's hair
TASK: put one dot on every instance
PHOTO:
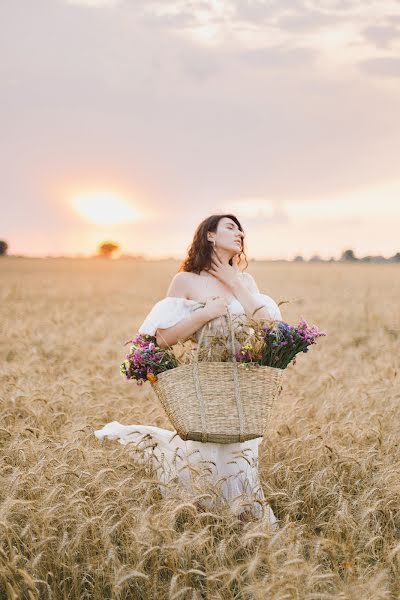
(200, 250)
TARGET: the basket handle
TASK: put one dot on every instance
(228, 317)
(239, 404)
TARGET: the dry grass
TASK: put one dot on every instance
(83, 519)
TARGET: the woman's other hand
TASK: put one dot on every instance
(216, 307)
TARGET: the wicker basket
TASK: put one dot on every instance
(222, 402)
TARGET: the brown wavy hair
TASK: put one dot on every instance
(200, 250)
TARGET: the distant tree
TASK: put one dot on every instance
(348, 255)
(106, 249)
(396, 257)
(316, 258)
(3, 248)
(298, 259)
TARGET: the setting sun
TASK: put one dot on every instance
(104, 208)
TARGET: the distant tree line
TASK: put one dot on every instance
(107, 248)
(349, 256)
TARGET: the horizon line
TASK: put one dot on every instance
(147, 257)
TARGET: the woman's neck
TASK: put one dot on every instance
(224, 255)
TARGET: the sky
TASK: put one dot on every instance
(134, 120)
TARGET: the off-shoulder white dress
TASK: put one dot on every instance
(231, 468)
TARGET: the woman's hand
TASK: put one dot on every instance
(215, 307)
(226, 273)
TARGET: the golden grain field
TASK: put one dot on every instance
(81, 519)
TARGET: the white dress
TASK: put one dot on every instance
(231, 468)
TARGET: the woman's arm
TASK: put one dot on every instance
(187, 327)
(182, 330)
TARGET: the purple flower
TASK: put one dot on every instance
(146, 357)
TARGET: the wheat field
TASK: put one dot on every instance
(80, 518)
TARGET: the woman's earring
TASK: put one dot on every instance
(213, 242)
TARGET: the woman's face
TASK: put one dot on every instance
(228, 236)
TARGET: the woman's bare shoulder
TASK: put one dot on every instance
(181, 284)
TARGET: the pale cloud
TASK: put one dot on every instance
(278, 57)
(382, 66)
(256, 209)
(259, 11)
(382, 35)
(286, 33)
(308, 20)
(93, 3)
(367, 204)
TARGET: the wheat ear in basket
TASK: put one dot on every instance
(221, 402)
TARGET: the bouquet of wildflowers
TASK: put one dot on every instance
(277, 345)
(146, 360)
(271, 343)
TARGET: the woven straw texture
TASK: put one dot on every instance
(223, 402)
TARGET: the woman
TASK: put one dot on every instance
(209, 275)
